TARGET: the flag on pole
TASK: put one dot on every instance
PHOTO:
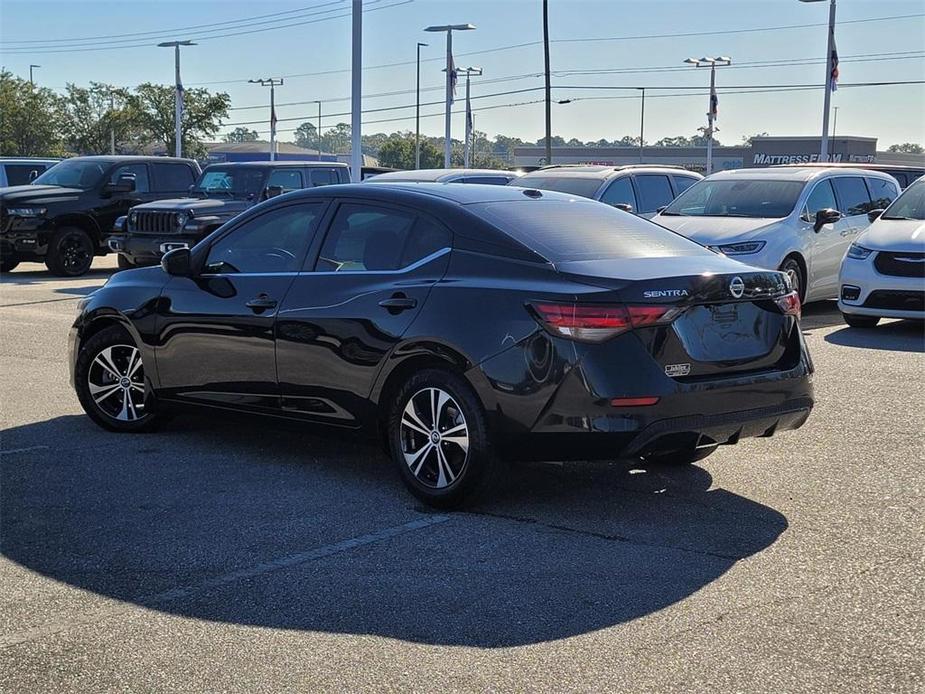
(273, 120)
(834, 60)
(714, 103)
(452, 78)
(468, 121)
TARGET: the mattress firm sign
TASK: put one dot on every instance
(775, 151)
(762, 159)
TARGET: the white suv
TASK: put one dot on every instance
(797, 220)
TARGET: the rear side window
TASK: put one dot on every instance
(562, 230)
(287, 179)
(882, 193)
(853, 198)
(177, 177)
(654, 192)
(22, 174)
(620, 192)
(323, 177)
(682, 183)
(371, 238)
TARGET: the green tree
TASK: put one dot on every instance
(337, 139)
(907, 147)
(306, 136)
(241, 134)
(398, 152)
(747, 139)
(30, 119)
(202, 116)
(92, 115)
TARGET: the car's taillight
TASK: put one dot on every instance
(599, 322)
(789, 304)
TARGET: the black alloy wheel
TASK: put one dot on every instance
(70, 252)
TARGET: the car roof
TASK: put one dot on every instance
(460, 193)
(603, 172)
(796, 173)
(126, 158)
(28, 160)
(424, 175)
(277, 164)
(872, 166)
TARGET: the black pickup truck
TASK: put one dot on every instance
(221, 193)
(63, 216)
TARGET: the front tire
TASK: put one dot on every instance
(111, 384)
(792, 268)
(861, 321)
(438, 439)
(70, 252)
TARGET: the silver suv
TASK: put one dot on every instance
(638, 188)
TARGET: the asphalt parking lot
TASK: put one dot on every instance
(223, 554)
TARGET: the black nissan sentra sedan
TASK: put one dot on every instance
(467, 325)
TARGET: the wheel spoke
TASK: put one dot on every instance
(100, 393)
(461, 440)
(444, 470)
(416, 460)
(104, 359)
(134, 363)
(411, 419)
(442, 399)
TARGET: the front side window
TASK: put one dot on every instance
(275, 241)
(882, 193)
(287, 179)
(74, 173)
(239, 182)
(852, 195)
(737, 198)
(654, 192)
(178, 177)
(822, 197)
(620, 192)
(137, 171)
(369, 238)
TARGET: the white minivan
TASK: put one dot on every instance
(797, 220)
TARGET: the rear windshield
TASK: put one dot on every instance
(737, 198)
(563, 230)
(585, 187)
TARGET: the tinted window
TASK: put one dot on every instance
(585, 187)
(821, 198)
(487, 180)
(737, 198)
(138, 171)
(324, 177)
(682, 183)
(173, 176)
(287, 179)
(654, 192)
(909, 205)
(74, 173)
(561, 230)
(852, 195)
(364, 237)
(273, 242)
(236, 181)
(619, 192)
(901, 177)
(21, 174)
(882, 193)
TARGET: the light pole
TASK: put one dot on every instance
(548, 89)
(714, 102)
(834, 124)
(417, 112)
(830, 66)
(31, 81)
(178, 104)
(356, 93)
(642, 122)
(112, 125)
(272, 83)
(469, 71)
(319, 129)
(450, 83)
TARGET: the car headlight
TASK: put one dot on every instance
(743, 248)
(27, 211)
(182, 218)
(858, 252)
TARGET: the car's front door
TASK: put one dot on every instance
(346, 312)
(116, 204)
(821, 246)
(216, 330)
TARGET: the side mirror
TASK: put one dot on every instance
(659, 210)
(826, 216)
(34, 174)
(874, 215)
(125, 184)
(178, 262)
(273, 191)
(625, 206)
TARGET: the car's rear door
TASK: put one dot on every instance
(216, 330)
(346, 311)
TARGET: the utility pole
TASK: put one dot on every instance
(178, 103)
(356, 94)
(642, 124)
(31, 81)
(112, 125)
(834, 124)
(714, 101)
(450, 85)
(272, 83)
(469, 123)
(319, 129)
(417, 113)
(548, 88)
(831, 65)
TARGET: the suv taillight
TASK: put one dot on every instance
(599, 322)
(790, 304)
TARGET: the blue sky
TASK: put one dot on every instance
(893, 114)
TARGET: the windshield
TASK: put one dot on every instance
(737, 198)
(236, 182)
(585, 187)
(73, 173)
(909, 205)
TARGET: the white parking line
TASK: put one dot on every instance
(182, 592)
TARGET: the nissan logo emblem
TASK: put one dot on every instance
(737, 287)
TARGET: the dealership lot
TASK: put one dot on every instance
(223, 554)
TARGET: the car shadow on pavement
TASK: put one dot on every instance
(820, 314)
(41, 276)
(254, 524)
(895, 336)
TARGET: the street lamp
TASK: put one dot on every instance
(642, 122)
(319, 129)
(829, 69)
(469, 126)
(417, 112)
(711, 112)
(272, 83)
(178, 104)
(31, 81)
(450, 81)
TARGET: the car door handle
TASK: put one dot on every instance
(398, 303)
(261, 303)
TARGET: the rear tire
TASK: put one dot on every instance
(450, 462)
(792, 268)
(111, 383)
(70, 252)
(861, 321)
(685, 456)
